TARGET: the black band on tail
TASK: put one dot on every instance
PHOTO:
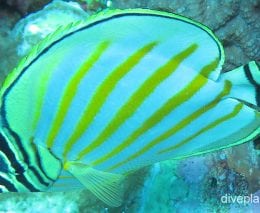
(253, 82)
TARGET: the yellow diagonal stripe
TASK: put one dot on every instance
(138, 97)
(170, 105)
(206, 128)
(43, 82)
(103, 92)
(186, 121)
(71, 91)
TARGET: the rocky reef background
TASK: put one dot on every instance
(191, 185)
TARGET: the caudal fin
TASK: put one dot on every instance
(245, 84)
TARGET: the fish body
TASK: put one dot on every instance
(125, 89)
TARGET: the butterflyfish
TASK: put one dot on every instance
(100, 98)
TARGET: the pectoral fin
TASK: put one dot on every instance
(106, 186)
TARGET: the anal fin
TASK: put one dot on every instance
(106, 186)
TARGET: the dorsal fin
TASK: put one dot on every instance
(107, 14)
(99, 17)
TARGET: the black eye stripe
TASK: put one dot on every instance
(8, 152)
(8, 185)
(17, 167)
(3, 165)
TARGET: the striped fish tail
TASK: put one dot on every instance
(245, 84)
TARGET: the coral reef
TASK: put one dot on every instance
(95, 5)
(191, 185)
(8, 54)
(39, 202)
(24, 7)
(238, 160)
(32, 29)
(16, 41)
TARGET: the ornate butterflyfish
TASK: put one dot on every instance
(100, 98)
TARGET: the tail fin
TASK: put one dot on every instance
(246, 84)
